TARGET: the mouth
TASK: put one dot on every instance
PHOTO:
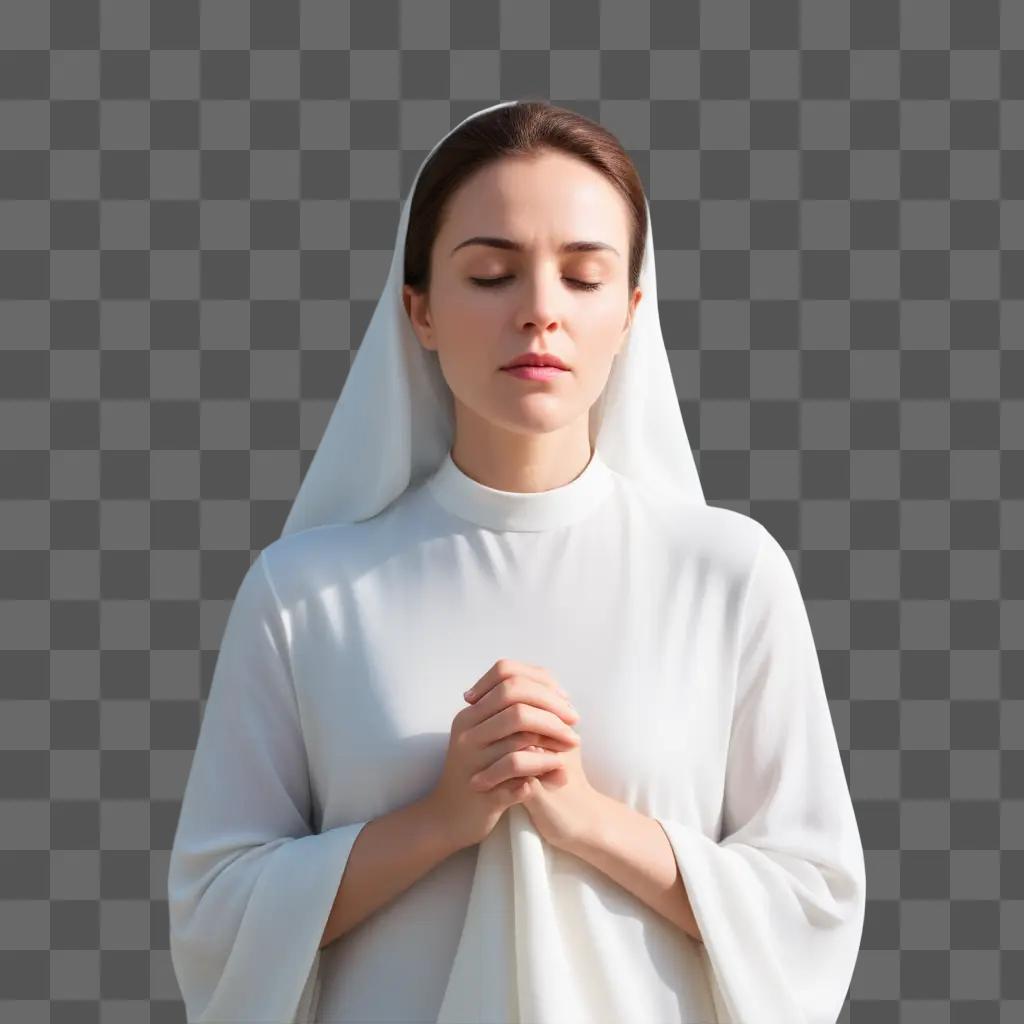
(533, 371)
(536, 360)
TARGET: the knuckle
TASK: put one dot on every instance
(504, 666)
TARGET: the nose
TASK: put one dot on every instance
(540, 301)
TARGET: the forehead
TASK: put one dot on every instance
(542, 201)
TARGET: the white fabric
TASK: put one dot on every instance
(684, 643)
(678, 630)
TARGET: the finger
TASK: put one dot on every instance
(519, 741)
(518, 764)
(521, 689)
(505, 667)
(523, 717)
(500, 670)
(516, 741)
(514, 791)
(546, 677)
(510, 693)
(485, 753)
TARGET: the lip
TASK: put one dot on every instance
(536, 359)
(529, 372)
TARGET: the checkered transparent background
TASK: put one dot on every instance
(197, 205)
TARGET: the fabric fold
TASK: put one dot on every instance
(251, 882)
(536, 948)
(780, 899)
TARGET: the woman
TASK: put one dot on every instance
(359, 841)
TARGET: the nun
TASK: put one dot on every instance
(510, 726)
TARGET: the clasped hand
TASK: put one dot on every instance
(558, 796)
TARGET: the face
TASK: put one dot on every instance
(489, 303)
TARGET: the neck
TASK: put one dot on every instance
(509, 461)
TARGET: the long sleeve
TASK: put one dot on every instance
(780, 898)
(250, 885)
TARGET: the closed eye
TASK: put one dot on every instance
(497, 282)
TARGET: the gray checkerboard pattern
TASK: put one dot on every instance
(196, 207)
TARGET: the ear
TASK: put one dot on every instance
(631, 312)
(418, 310)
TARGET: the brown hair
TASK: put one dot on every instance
(525, 128)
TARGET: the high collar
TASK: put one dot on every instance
(486, 506)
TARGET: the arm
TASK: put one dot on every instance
(246, 867)
(391, 853)
(780, 898)
(633, 850)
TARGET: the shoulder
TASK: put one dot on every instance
(295, 556)
(730, 538)
(309, 545)
(704, 538)
(306, 561)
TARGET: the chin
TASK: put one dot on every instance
(533, 417)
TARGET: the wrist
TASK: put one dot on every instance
(594, 826)
(434, 827)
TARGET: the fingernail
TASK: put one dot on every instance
(468, 693)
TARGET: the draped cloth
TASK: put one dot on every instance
(776, 884)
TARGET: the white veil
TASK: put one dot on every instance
(393, 422)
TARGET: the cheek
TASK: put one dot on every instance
(466, 307)
(463, 316)
(470, 345)
(602, 325)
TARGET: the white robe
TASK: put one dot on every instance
(681, 637)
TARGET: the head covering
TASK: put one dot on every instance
(394, 423)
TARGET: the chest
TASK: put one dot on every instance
(381, 665)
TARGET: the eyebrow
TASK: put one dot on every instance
(508, 243)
